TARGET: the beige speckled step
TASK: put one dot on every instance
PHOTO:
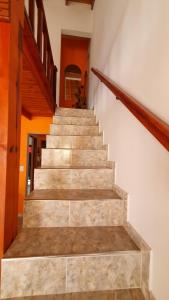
(129, 294)
(74, 157)
(75, 142)
(79, 208)
(74, 178)
(59, 120)
(63, 260)
(73, 112)
(74, 129)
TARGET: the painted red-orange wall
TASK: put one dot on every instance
(74, 51)
(36, 125)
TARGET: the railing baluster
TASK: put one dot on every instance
(32, 14)
(54, 82)
(44, 50)
(40, 31)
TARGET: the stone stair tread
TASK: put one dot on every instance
(70, 241)
(128, 294)
(77, 135)
(75, 125)
(75, 167)
(72, 194)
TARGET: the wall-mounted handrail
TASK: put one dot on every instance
(41, 35)
(153, 123)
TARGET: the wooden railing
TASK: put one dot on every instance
(154, 124)
(39, 29)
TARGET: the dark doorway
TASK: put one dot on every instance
(35, 143)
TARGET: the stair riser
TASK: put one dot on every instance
(73, 178)
(67, 112)
(74, 130)
(66, 157)
(74, 142)
(74, 121)
(52, 213)
(56, 275)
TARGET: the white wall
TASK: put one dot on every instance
(73, 19)
(130, 44)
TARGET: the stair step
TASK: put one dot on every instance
(75, 142)
(74, 130)
(45, 261)
(67, 208)
(38, 242)
(61, 213)
(74, 157)
(130, 294)
(74, 112)
(74, 178)
(59, 120)
(73, 194)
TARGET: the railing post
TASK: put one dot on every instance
(32, 14)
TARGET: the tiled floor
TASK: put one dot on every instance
(134, 294)
(70, 241)
(72, 195)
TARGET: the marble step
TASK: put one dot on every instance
(59, 120)
(74, 157)
(128, 294)
(74, 112)
(74, 178)
(75, 142)
(49, 261)
(74, 208)
(74, 130)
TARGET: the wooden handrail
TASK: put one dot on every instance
(43, 43)
(154, 124)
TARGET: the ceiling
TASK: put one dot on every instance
(89, 2)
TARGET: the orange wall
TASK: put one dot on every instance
(73, 51)
(36, 125)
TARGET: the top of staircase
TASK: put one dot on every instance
(74, 112)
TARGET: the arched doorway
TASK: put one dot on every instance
(72, 83)
(74, 71)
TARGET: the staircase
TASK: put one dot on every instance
(75, 237)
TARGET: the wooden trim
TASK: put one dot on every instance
(158, 128)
